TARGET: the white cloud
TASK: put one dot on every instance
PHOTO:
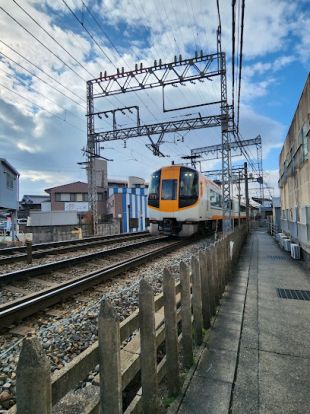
(27, 148)
(271, 178)
(165, 29)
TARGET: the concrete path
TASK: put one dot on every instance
(257, 358)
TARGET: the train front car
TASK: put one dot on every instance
(175, 201)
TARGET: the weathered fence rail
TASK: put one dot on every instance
(177, 316)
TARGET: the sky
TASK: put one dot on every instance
(44, 67)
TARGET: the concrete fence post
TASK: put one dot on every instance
(33, 380)
(225, 261)
(205, 290)
(148, 355)
(109, 360)
(230, 248)
(209, 266)
(186, 314)
(171, 333)
(219, 266)
(216, 273)
(29, 251)
(197, 306)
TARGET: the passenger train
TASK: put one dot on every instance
(182, 201)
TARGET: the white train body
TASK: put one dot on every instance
(182, 201)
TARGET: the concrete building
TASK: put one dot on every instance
(294, 179)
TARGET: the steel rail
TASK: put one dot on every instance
(40, 246)
(71, 247)
(20, 308)
(60, 264)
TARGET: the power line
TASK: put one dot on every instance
(233, 4)
(39, 93)
(103, 31)
(240, 61)
(40, 107)
(194, 20)
(88, 32)
(51, 37)
(41, 43)
(38, 77)
(104, 53)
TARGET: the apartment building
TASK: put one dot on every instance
(294, 179)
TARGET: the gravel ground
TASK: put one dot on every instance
(65, 337)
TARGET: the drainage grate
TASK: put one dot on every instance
(278, 257)
(293, 294)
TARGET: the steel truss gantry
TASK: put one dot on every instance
(159, 75)
(199, 68)
(160, 128)
(215, 150)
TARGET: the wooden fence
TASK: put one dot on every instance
(177, 316)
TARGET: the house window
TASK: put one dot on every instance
(9, 180)
(65, 197)
(99, 196)
(79, 197)
(85, 196)
(304, 142)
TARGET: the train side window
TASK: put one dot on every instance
(215, 199)
(154, 188)
(189, 187)
(169, 189)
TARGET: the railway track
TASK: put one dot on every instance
(16, 310)
(19, 253)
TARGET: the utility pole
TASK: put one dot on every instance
(91, 156)
(247, 204)
(239, 198)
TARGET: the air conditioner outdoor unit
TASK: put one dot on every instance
(287, 245)
(282, 238)
(278, 237)
(295, 251)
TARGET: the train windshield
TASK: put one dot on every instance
(189, 190)
(153, 199)
(169, 189)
